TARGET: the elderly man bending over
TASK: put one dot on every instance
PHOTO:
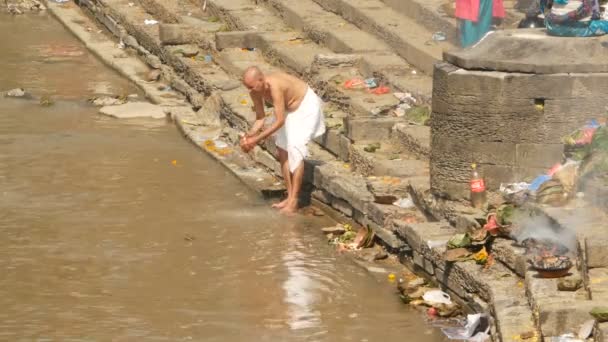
(299, 118)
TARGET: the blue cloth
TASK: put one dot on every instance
(538, 181)
(578, 28)
(471, 32)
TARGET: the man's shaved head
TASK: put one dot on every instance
(253, 78)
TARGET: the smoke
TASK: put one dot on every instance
(540, 227)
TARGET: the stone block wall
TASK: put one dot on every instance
(510, 124)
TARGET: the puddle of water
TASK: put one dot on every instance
(104, 238)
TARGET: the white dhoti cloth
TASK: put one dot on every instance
(302, 125)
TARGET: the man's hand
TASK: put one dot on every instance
(248, 143)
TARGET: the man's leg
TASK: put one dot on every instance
(296, 185)
(283, 160)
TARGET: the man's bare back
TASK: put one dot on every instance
(293, 90)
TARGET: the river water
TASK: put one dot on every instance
(123, 231)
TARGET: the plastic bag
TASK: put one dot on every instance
(437, 297)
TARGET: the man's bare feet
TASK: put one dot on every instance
(281, 204)
(290, 209)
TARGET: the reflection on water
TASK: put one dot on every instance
(103, 238)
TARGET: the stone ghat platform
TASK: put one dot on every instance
(507, 102)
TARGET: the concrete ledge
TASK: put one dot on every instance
(237, 39)
(544, 53)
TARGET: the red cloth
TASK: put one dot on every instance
(469, 9)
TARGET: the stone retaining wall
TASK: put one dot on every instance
(508, 114)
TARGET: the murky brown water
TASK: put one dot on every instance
(103, 238)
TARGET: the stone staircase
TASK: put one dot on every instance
(328, 42)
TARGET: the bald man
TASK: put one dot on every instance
(298, 119)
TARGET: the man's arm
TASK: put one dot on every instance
(278, 103)
(260, 115)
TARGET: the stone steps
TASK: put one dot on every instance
(329, 30)
(500, 288)
(385, 161)
(413, 139)
(431, 14)
(410, 40)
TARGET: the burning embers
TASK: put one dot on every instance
(548, 257)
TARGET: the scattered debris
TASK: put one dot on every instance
(439, 36)
(476, 329)
(150, 22)
(600, 313)
(371, 148)
(437, 297)
(586, 329)
(405, 203)
(101, 101)
(46, 101)
(17, 92)
(570, 283)
(336, 230)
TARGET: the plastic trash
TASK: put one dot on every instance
(371, 83)
(439, 36)
(586, 329)
(208, 58)
(150, 22)
(468, 331)
(220, 144)
(513, 187)
(404, 203)
(538, 181)
(60, 1)
(380, 90)
(437, 297)
(565, 338)
(354, 83)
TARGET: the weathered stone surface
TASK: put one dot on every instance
(153, 75)
(423, 263)
(237, 39)
(384, 162)
(412, 139)
(545, 54)
(513, 257)
(178, 34)
(387, 190)
(344, 186)
(388, 239)
(134, 110)
(513, 135)
(370, 128)
(598, 283)
(344, 152)
(419, 235)
(330, 140)
(188, 50)
(153, 61)
(342, 206)
(563, 317)
(335, 60)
